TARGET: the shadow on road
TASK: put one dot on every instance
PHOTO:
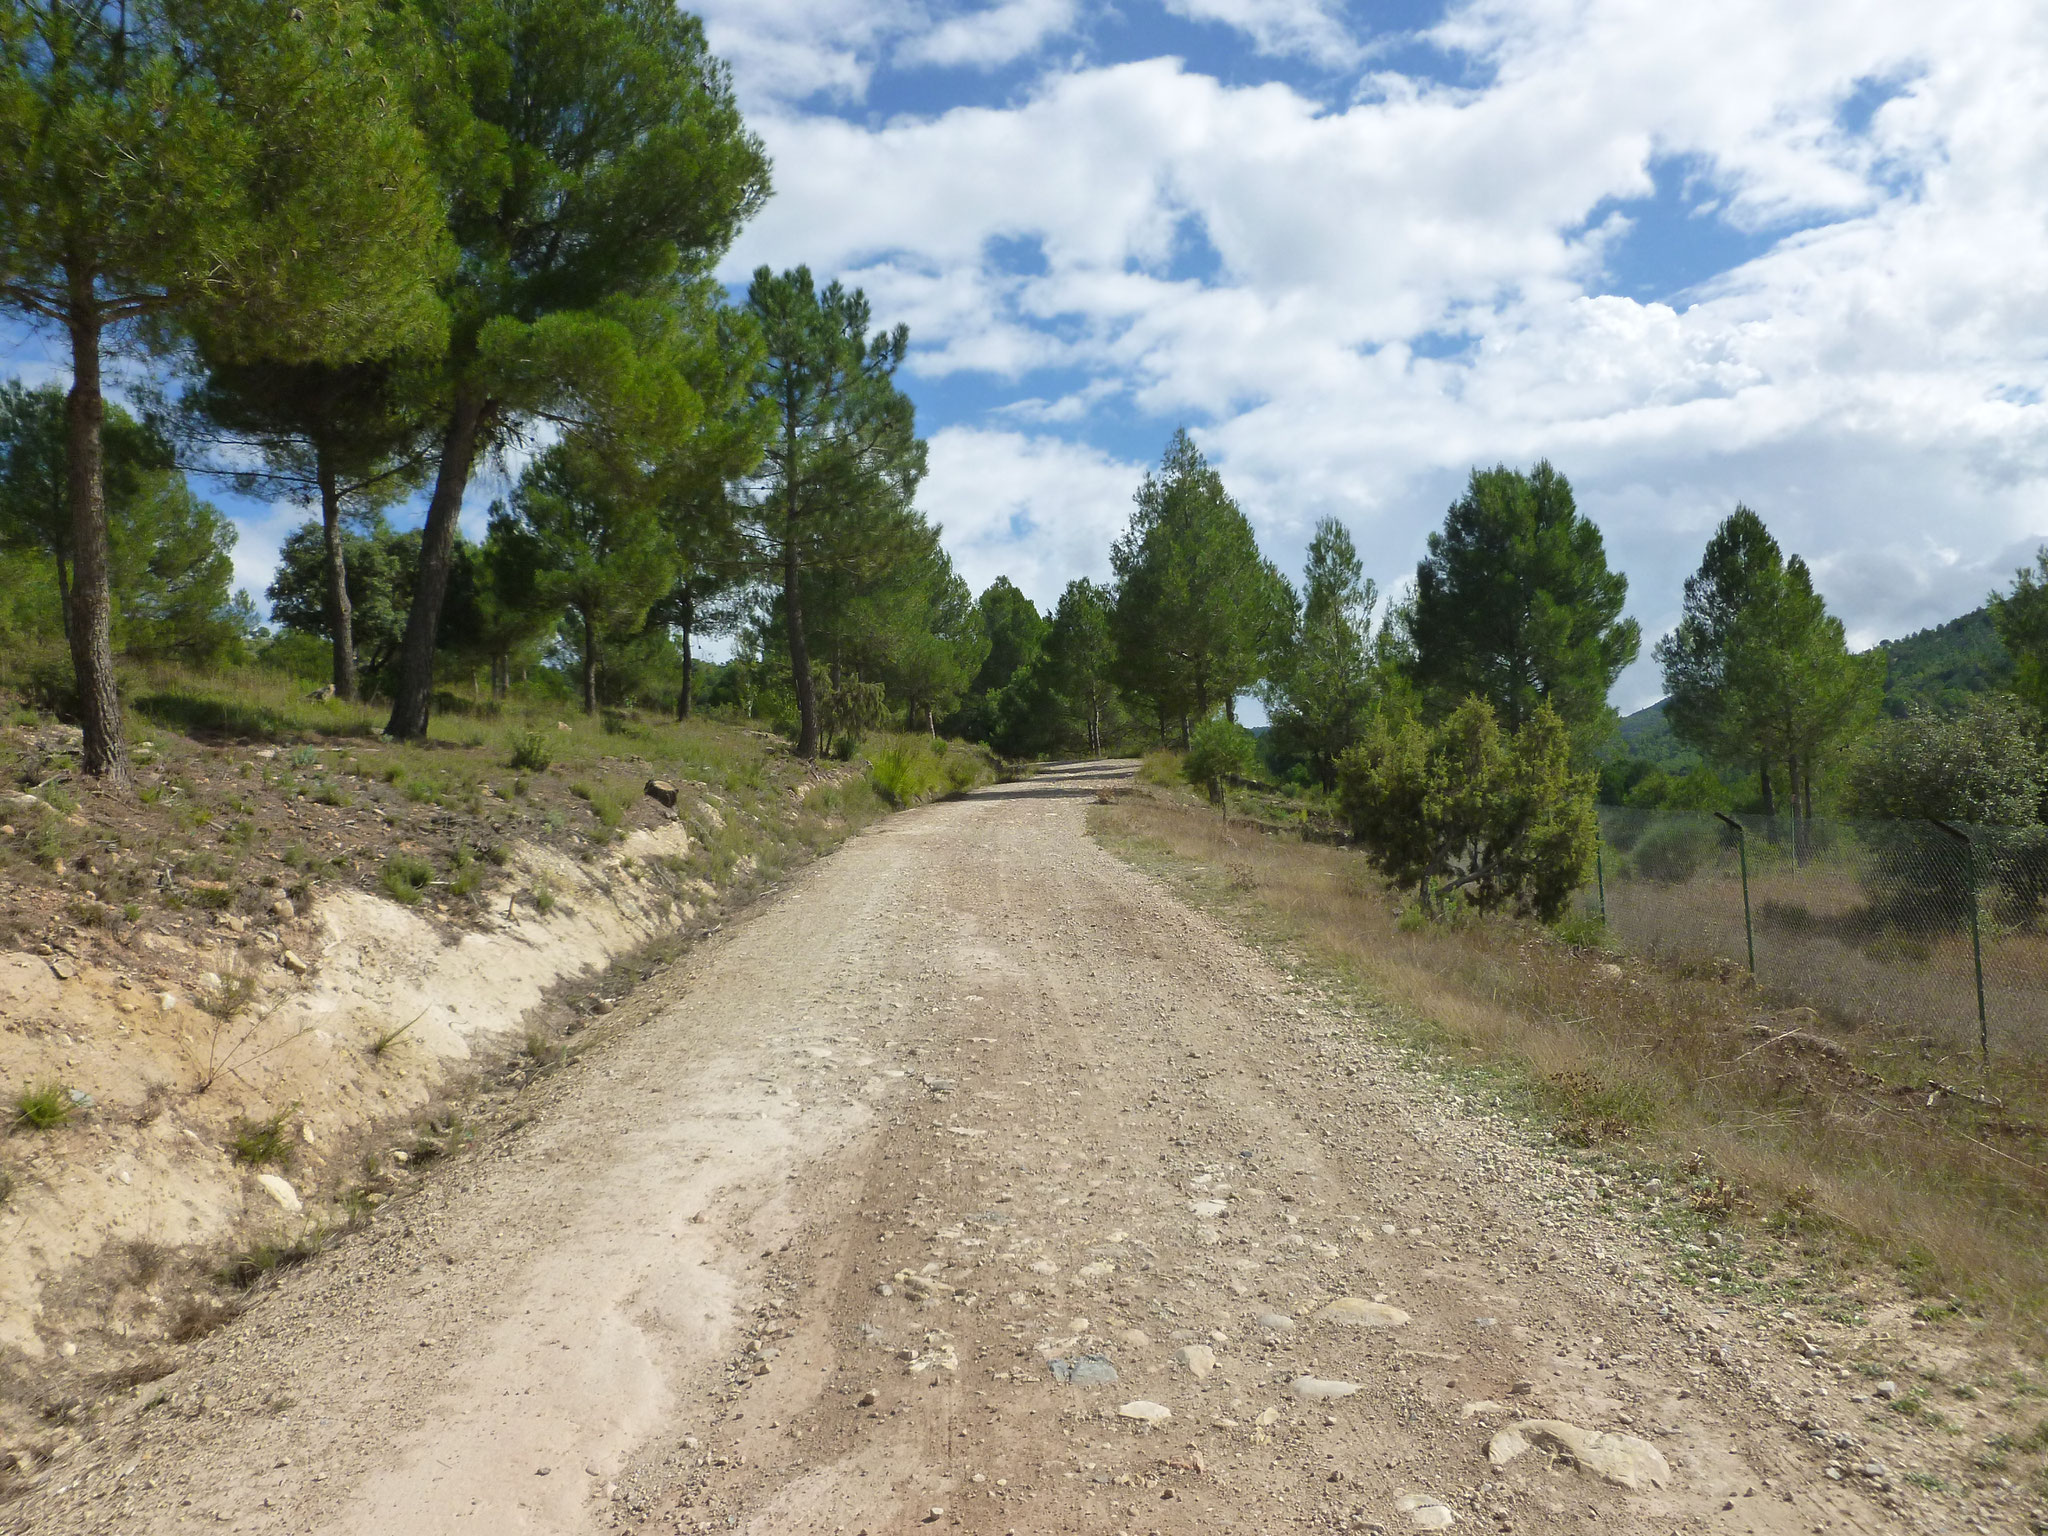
(1063, 781)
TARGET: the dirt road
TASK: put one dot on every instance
(803, 1243)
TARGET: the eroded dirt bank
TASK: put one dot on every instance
(806, 1243)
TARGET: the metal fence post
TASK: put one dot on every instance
(1976, 934)
(1742, 854)
(1600, 875)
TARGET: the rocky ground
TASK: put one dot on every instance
(975, 1182)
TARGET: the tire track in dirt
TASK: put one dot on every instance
(798, 1248)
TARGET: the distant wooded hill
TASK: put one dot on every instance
(1937, 668)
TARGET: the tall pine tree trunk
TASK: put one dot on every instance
(413, 704)
(689, 622)
(1763, 768)
(590, 661)
(92, 599)
(340, 616)
(64, 594)
(799, 649)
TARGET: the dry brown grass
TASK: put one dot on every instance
(1816, 942)
(1771, 1114)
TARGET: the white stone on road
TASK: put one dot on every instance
(1356, 1312)
(1624, 1460)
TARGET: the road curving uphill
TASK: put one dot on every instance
(974, 1182)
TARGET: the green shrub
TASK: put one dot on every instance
(1582, 930)
(1466, 809)
(405, 877)
(531, 752)
(961, 774)
(608, 808)
(1219, 750)
(43, 1107)
(900, 777)
(46, 843)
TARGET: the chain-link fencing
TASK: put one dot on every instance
(1937, 929)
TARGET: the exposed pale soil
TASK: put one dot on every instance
(792, 1247)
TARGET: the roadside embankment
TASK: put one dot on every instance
(276, 1032)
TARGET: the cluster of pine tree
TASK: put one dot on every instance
(370, 247)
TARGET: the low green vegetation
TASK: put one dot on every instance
(252, 1265)
(264, 1142)
(910, 769)
(405, 878)
(42, 1106)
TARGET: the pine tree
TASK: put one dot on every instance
(1757, 670)
(1082, 656)
(1515, 605)
(841, 463)
(601, 553)
(350, 438)
(1199, 611)
(2021, 618)
(232, 165)
(597, 157)
(169, 553)
(1324, 683)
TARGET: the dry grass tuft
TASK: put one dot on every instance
(1901, 1142)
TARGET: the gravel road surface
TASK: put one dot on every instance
(973, 1182)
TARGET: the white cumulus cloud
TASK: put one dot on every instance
(1012, 29)
(1354, 304)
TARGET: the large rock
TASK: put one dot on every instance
(1624, 1460)
(280, 1189)
(1083, 1370)
(1146, 1412)
(1426, 1512)
(1356, 1312)
(1198, 1360)
(1314, 1389)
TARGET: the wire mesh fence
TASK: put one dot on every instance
(1941, 930)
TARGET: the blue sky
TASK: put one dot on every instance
(1791, 256)
(1788, 255)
